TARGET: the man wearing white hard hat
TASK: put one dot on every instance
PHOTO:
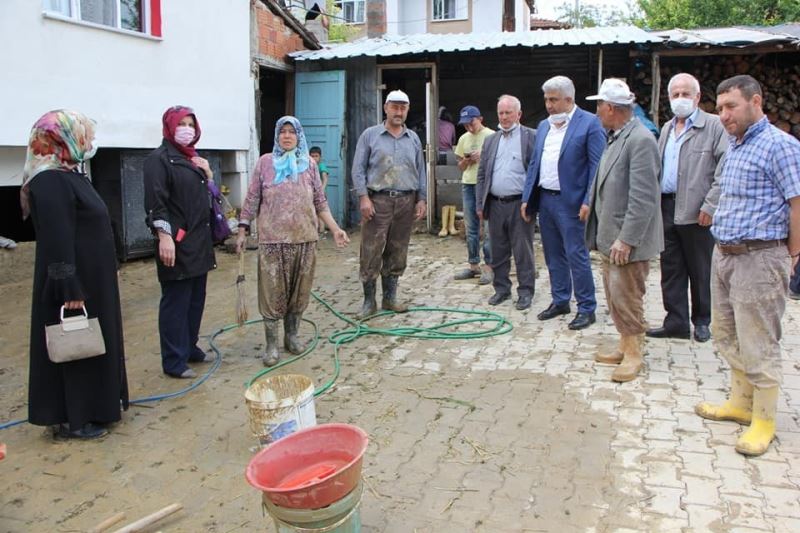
(390, 180)
(624, 222)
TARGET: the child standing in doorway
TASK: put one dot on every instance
(315, 152)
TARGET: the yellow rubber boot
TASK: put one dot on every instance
(738, 407)
(445, 218)
(451, 226)
(632, 362)
(755, 441)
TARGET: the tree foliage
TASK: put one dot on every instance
(666, 14)
(338, 31)
(590, 15)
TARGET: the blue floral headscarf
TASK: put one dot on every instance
(289, 164)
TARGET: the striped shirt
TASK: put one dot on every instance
(759, 175)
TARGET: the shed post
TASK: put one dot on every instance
(656, 88)
(599, 69)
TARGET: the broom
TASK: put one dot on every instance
(241, 304)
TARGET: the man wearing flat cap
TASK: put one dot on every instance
(390, 180)
(624, 222)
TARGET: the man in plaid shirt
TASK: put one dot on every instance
(757, 229)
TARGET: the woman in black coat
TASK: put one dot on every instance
(179, 213)
(75, 267)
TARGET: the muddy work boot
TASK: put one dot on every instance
(610, 358)
(271, 355)
(370, 307)
(290, 341)
(737, 408)
(631, 362)
(390, 303)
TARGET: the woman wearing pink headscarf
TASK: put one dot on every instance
(75, 268)
(178, 206)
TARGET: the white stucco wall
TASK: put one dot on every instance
(125, 82)
(487, 16)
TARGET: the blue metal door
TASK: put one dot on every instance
(320, 106)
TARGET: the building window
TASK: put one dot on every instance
(122, 14)
(449, 9)
(352, 11)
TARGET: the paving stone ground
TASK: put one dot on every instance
(520, 432)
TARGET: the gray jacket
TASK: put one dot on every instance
(626, 196)
(486, 165)
(699, 164)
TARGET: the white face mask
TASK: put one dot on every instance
(558, 118)
(682, 107)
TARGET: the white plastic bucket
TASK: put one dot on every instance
(279, 406)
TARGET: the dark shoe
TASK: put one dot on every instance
(467, 273)
(553, 311)
(271, 355)
(88, 432)
(498, 298)
(524, 302)
(290, 340)
(794, 295)
(582, 321)
(663, 333)
(389, 302)
(369, 306)
(198, 356)
(702, 333)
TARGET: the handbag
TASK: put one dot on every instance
(219, 224)
(75, 337)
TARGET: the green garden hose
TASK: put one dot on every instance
(357, 329)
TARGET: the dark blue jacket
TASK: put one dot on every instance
(581, 150)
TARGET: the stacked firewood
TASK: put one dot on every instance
(780, 81)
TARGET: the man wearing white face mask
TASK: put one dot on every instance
(691, 146)
(569, 144)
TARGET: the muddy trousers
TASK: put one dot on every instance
(285, 278)
(384, 238)
(625, 288)
(179, 315)
(748, 298)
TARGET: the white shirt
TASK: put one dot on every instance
(548, 169)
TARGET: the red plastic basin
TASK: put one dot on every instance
(311, 468)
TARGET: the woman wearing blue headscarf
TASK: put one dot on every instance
(285, 196)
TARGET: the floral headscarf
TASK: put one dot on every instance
(59, 140)
(288, 164)
(170, 121)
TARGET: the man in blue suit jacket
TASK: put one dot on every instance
(569, 144)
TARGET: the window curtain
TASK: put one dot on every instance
(99, 11)
(57, 6)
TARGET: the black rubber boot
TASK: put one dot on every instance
(390, 302)
(271, 355)
(370, 307)
(290, 341)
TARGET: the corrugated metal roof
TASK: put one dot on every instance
(732, 36)
(463, 42)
